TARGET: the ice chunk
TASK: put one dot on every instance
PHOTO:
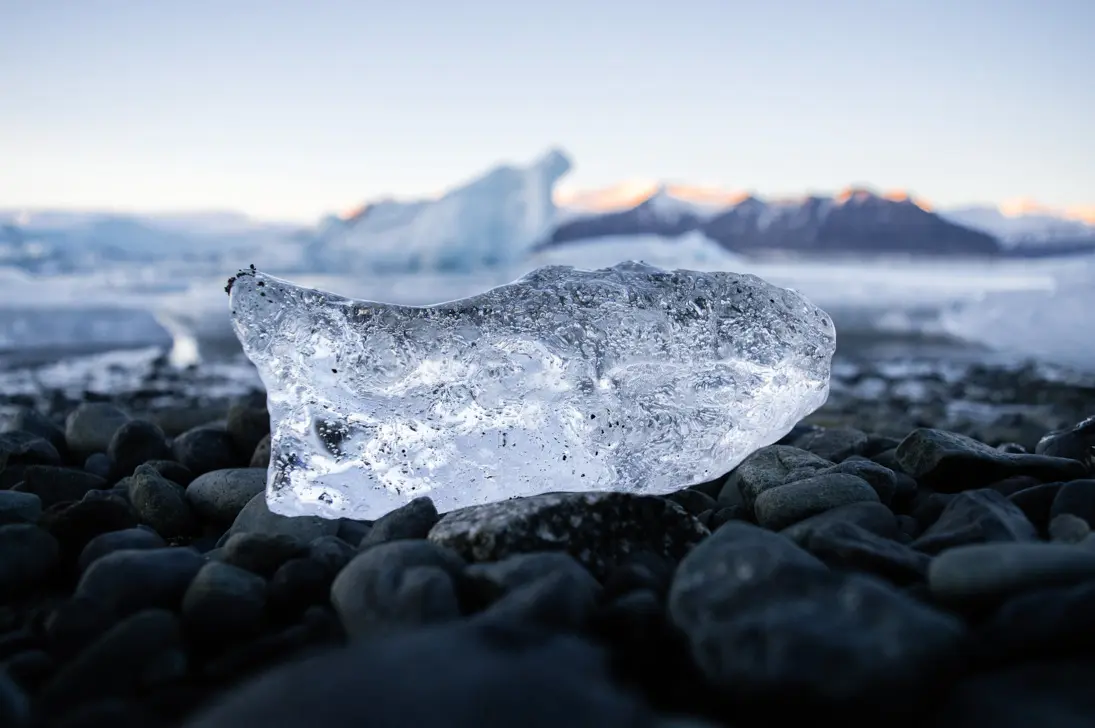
(628, 378)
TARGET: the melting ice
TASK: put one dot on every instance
(627, 378)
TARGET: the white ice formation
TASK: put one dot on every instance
(628, 378)
(492, 220)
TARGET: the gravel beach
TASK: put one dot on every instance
(918, 552)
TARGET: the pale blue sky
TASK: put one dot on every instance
(291, 108)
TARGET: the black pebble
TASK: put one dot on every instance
(135, 443)
(205, 449)
(412, 521)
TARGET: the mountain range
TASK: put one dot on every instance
(511, 211)
(855, 221)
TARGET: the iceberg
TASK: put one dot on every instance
(493, 220)
(629, 378)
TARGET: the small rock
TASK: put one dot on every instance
(993, 571)
(1014, 484)
(256, 517)
(97, 513)
(949, 462)
(17, 507)
(760, 614)
(726, 514)
(56, 485)
(1036, 504)
(848, 547)
(869, 515)
(882, 479)
(516, 676)
(599, 529)
(160, 503)
(97, 463)
(129, 539)
(397, 585)
(767, 468)
(352, 531)
(135, 443)
(976, 516)
(331, 552)
(489, 582)
(224, 602)
(410, 522)
(28, 555)
(173, 471)
(91, 426)
(1076, 443)
(834, 445)
(176, 419)
(138, 653)
(36, 423)
(694, 501)
(785, 505)
(563, 600)
(261, 457)
(929, 506)
(247, 425)
(20, 449)
(125, 582)
(642, 571)
(888, 459)
(1076, 498)
(727, 561)
(298, 584)
(1067, 528)
(878, 444)
(219, 496)
(260, 553)
(204, 449)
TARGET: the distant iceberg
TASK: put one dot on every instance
(494, 220)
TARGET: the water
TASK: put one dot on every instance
(56, 329)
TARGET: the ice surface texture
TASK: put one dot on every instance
(628, 378)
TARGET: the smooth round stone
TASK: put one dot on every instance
(91, 426)
(256, 517)
(16, 507)
(785, 505)
(996, 570)
(219, 496)
(127, 539)
(224, 602)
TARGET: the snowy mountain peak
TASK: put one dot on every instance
(855, 196)
(669, 208)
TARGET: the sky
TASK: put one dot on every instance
(291, 109)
